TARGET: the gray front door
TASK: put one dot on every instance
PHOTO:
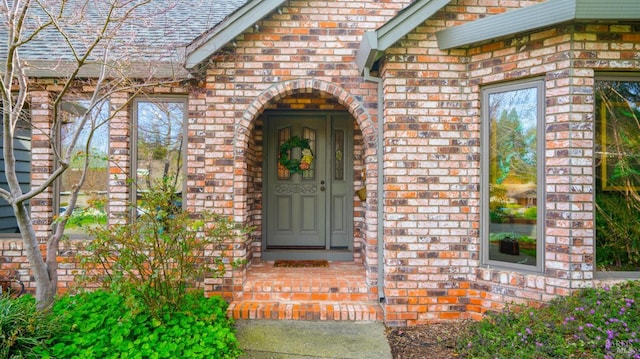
(312, 210)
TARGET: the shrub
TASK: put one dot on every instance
(105, 324)
(593, 323)
(161, 255)
(22, 327)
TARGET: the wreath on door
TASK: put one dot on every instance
(295, 165)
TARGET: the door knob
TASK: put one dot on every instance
(321, 188)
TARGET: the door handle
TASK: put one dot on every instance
(321, 188)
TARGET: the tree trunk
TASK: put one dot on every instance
(45, 285)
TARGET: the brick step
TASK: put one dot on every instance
(307, 290)
(341, 282)
(347, 311)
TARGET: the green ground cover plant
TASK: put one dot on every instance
(592, 323)
(106, 324)
(150, 304)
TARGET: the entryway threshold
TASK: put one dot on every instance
(261, 339)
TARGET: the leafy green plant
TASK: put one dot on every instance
(593, 323)
(22, 327)
(161, 255)
(105, 324)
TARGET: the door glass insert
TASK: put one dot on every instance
(339, 154)
(310, 135)
(283, 136)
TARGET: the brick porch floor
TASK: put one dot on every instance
(338, 292)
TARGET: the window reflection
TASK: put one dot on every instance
(84, 132)
(513, 183)
(617, 155)
(160, 145)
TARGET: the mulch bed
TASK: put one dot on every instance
(435, 341)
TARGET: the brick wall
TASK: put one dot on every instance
(302, 58)
(432, 163)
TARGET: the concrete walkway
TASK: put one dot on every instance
(282, 339)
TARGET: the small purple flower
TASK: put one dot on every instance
(589, 325)
(580, 328)
(610, 334)
(528, 330)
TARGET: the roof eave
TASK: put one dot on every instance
(169, 71)
(234, 25)
(375, 43)
(548, 13)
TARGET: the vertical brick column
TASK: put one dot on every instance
(119, 158)
(42, 162)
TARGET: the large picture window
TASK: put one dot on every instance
(84, 132)
(159, 145)
(617, 168)
(512, 153)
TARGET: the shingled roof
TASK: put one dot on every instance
(158, 31)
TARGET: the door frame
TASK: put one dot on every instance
(334, 254)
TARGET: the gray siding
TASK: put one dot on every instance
(23, 167)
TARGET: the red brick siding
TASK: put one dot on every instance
(303, 58)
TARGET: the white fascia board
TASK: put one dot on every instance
(234, 25)
(548, 13)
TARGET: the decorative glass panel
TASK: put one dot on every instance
(160, 145)
(310, 135)
(339, 154)
(91, 146)
(283, 136)
(512, 174)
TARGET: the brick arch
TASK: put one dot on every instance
(288, 88)
(276, 93)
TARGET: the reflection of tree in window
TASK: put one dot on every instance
(512, 175)
(87, 144)
(513, 132)
(617, 150)
(160, 142)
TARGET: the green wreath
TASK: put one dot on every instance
(294, 165)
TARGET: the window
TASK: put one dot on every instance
(85, 133)
(617, 169)
(160, 144)
(512, 153)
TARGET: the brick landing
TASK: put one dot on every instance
(335, 293)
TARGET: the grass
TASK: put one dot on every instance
(592, 323)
